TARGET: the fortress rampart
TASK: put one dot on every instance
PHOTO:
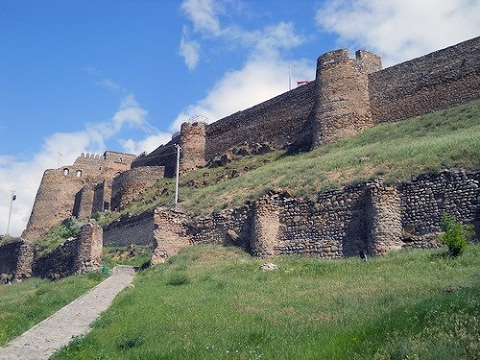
(347, 96)
(436, 81)
(280, 122)
(75, 190)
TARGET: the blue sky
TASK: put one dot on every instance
(122, 75)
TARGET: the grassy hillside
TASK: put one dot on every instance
(216, 303)
(25, 304)
(447, 138)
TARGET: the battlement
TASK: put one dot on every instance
(108, 157)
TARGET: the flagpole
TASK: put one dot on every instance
(10, 212)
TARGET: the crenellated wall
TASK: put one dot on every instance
(75, 190)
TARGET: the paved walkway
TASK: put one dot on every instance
(41, 341)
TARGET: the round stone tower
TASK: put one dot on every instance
(342, 106)
(192, 142)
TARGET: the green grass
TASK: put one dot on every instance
(133, 255)
(25, 304)
(213, 302)
(395, 151)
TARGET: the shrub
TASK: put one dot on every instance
(456, 235)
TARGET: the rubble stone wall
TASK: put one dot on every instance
(369, 218)
(75, 256)
(128, 230)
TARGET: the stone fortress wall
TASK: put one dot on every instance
(19, 260)
(347, 96)
(75, 190)
(370, 218)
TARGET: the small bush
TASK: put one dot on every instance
(456, 235)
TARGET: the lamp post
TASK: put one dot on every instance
(178, 174)
(12, 198)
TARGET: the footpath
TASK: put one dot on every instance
(73, 320)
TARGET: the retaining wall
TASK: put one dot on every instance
(369, 218)
(137, 229)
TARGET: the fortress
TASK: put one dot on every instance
(347, 96)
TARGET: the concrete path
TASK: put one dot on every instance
(41, 341)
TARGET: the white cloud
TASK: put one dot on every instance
(189, 50)
(203, 14)
(129, 114)
(204, 17)
(265, 73)
(146, 145)
(400, 30)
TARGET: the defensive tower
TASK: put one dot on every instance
(342, 105)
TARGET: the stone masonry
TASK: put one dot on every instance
(75, 256)
(371, 218)
(347, 96)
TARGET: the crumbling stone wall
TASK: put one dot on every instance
(369, 218)
(425, 200)
(171, 234)
(75, 256)
(128, 230)
(16, 260)
(89, 249)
